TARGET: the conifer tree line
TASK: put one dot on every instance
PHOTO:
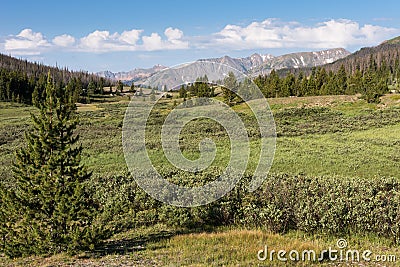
(24, 82)
(200, 88)
(371, 81)
(368, 71)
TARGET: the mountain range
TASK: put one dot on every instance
(133, 75)
(252, 65)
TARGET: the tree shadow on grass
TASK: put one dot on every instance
(128, 245)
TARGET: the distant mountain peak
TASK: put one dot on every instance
(254, 64)
(133, 75)
(300, 60)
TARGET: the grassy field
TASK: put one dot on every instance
(162, 246)
(339, 136)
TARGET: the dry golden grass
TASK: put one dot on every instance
(237, 247)
(234, 247)
(87, 107)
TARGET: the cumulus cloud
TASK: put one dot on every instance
(130, 37)
(173, 34)
(174, 41)
(26, 42)
(64, 40)
(175, 37)
(104, 41)
(152, 42)
(99, 41)
(272, 33)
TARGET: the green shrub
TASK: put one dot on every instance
(331, 205)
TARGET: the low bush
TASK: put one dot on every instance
(331, 205)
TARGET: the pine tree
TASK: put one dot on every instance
(373, 86)
(274, 84)
(48, 207)
(101, 86)
(2, 90)
(153, 95)
(182, 92)
(78, 89)
(36, 96)
(133, 90)
(341, 81)
(120, 87)
(298, 84)
(320, 79)
(288, 85)
(91, 88)
(355, 83)
(311, 87)
(229, 88)
(303, 86)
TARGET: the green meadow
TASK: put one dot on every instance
(333, 154)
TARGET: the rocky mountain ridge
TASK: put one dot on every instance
(252, 65)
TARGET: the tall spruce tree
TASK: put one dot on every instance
(373, 86)
(230, 88)
(182, 92)
(341, 81)
(120, 87)
(48, 208)
(133, 90)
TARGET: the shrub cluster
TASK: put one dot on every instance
(333, 205)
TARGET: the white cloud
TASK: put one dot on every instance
(175, 37)
(130, 37)
(272, 33)
(26, 42)
(104, 41)
(98, 41)
(64, 40)
(174, 41)
(152, 42)
(173, 34)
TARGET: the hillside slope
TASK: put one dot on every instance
(388, 53)
(9, 63)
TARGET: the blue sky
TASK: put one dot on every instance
(122, 35)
